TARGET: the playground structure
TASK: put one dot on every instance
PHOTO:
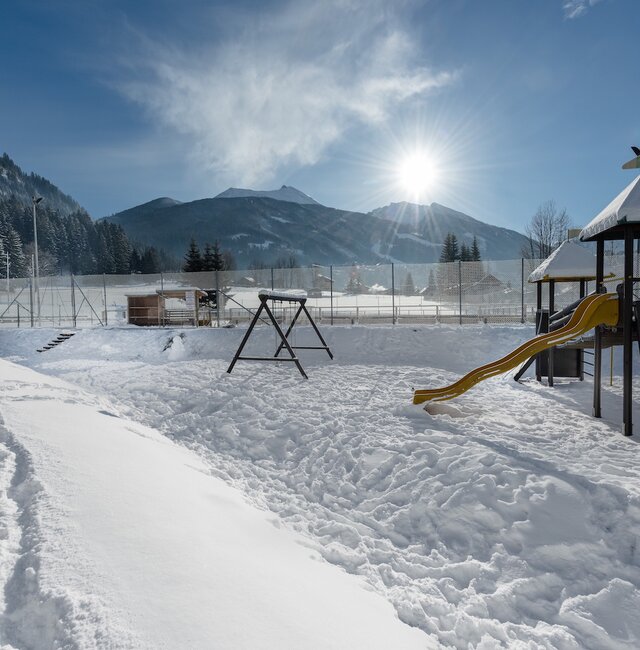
(569, 263)
(613, 316)
(596, 309)
(274, 296)
(620, 220)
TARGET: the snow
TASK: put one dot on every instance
(568, 261)
(128, 541)
(285, 193)
(625, 208)
(506, 518)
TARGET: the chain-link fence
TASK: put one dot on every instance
(456, 292)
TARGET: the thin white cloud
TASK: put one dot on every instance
(286, 87)
(575, 8)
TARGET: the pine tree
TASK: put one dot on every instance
(408, 288)
(208, 259)
(135, 261)
(104, 259)
(475, 251)
(448, 272)
(213, 259)
(150, 262)
(465, 255)
(450, 251)
(193, 258)
(18, 267)
(432, 287)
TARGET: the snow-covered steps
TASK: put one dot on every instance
(61, 338)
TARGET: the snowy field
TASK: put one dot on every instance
(328, 513)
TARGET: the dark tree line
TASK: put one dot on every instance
(212, 259)
(72, 243)
(452, 251)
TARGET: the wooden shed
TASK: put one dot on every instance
(167, 307)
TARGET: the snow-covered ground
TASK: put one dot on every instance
(505, 518)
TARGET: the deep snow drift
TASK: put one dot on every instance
(505, 518)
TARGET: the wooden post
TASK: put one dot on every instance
(597, 343)
(583, 293)
(552, 295)
(541, 355)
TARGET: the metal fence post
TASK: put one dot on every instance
(31, 300)
(331, 287)
(18, 314)
(163, 321)
(104, 293)
(217, 298)
(73, 300)
(522, 317)
(272, 287)
(460, 290)
(393, 294)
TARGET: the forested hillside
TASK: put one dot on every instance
(69, 241)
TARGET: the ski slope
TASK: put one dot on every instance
(507, 518)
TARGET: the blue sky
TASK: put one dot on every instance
(515, 101)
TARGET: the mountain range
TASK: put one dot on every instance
(263, 227)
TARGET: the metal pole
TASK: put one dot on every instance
(35, 201)
(393, 294)
(73, 300)
(104, 293)
(272, 279)
(460, 290)
(31, 299)
(162, 302)
(522, 316)
(8, 285)
(217, 298)
(331, 282)
(627, 335)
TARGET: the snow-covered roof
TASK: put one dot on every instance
(568, 262)
(625, 208)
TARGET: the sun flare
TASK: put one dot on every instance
(417, 174)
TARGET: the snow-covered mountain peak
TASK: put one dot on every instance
(285, 193)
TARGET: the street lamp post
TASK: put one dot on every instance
(35, 200)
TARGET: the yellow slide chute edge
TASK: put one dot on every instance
(598, 309)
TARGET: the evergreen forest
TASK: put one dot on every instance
(71, 243)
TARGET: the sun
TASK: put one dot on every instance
(417, 174)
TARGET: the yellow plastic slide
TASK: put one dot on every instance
(598, 309)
